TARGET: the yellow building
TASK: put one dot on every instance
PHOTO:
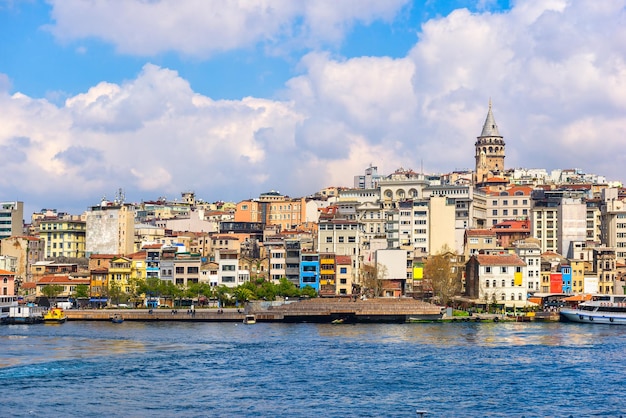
(327, 274)
(63, 238)
(344, 274)
(578, 275)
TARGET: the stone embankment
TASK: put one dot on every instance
(347, 309)
(198, 315)
(312, 310)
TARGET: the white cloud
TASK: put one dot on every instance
(559, 98)
(201, 28)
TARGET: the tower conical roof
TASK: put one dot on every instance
(490, 128)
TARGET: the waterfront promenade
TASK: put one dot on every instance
(314, 310)
(198, 315)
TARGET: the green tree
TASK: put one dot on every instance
(51, 291)
(242, 294)
(115, 292)
(308, 291)
(222, 295)
(81, 291)
(287, 289)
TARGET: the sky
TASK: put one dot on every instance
(231, 99)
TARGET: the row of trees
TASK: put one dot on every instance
(203, 293)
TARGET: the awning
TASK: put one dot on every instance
(96, 300)
(577, 298)
(520, 304)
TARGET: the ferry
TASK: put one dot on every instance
(600, 309)
(54, 316)
(6, 303)
(25, 314)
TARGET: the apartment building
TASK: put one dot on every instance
(530, 253)
(11, 219)
(110, 229)
(499, 279)
(513, 203)
(28, 250)
(558, 218)
(613, 222)
(63, 237)
(345, 277)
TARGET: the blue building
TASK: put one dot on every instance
(566, 277)
(309, 270)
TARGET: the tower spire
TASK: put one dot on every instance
(490, 128)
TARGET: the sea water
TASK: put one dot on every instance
(164, 369)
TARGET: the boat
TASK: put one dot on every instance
(117, 319)
(249, 319)
(55, 316)
(600, 309)
(25, 314)
(6, 303)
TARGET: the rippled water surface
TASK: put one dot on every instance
(310, 370)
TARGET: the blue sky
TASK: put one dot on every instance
(232, 99)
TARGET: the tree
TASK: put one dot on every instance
(442, 275)
(242, 294)
(51, 291)
(222, 295)
(372, 276)
(81, 291)
(115, 291)
(287, 289)
(308, 291)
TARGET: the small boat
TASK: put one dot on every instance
(600, 309)
(117, 319)
(55, 316)
(338, 321)
(249, 319)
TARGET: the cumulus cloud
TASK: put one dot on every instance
(201, 28)
(559, 98)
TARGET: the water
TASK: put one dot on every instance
(311, 370)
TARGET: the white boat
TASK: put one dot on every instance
(26, 314)
(6, 302)
(600, 309)
(249, 319)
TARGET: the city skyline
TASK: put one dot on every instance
(231, 103)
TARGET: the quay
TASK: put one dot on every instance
(319, 310)
(146, 315)
(312, 310)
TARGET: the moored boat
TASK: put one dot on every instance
(25, 314)
(54, 316)
(117, 319)
(6, 303)
(249, 319)
(600, 309)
